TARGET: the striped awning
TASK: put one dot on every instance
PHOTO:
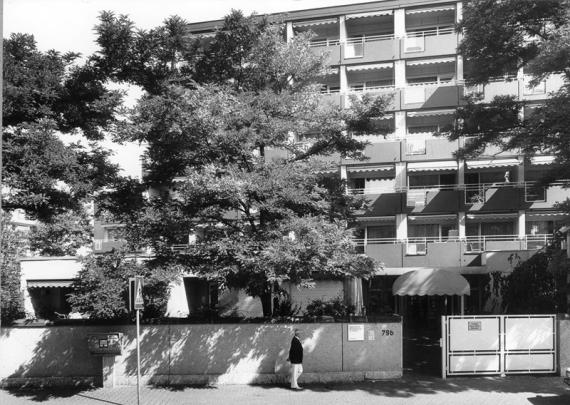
(371, 14)
(315, 22)
(430, 10)
(369, 169)
(384, 219)
(487, 163)
(49, 283)
(542, 160)
(371, 66)
(433, 113)
(432, 166)
(432, 219)
(430, 61)
(550, 215)
(493, 216)
(431, 282)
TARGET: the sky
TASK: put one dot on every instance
(67, 25)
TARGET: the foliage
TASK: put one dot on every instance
(64, 235)
(334, 307)
(101, 289)
(47, 95)
(499, 38)
(536, 285)
(212, 121)
(12, 244)
(283, 306)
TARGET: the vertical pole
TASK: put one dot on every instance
(138, 360)
(462, 305)
(443, 345)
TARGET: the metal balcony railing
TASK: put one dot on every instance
(472, 243)
(431, 32)
(324, 42)
(369, 38)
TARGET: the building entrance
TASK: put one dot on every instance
(421, 318)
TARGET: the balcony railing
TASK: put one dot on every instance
(431, 32)
(324, 42)
(473, 244)
(369, 38)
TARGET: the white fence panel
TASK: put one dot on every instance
(499, 344)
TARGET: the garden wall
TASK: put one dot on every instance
(201, 354)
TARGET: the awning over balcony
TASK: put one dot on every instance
(432, 219)
(434, 113)
(542, 160)
(315, 22)
(487, 163)
(546, 215)
(371, 66)
(430, 61)
(432, 166)
(383, 219)
(431, 282)
(430, 10)
(493, 217)
(371, 14)
(369, 169)
(49, 283)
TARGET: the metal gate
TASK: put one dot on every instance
(498, 344)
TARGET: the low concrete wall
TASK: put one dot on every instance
(200, 354)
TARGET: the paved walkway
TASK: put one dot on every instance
(515, 390)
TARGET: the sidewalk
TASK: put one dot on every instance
(515, 390)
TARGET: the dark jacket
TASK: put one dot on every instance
(296, 351)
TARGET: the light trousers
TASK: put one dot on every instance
(296, 371)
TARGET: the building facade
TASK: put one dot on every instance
(427, 209)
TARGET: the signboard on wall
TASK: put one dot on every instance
(355, 332)
(109, 344)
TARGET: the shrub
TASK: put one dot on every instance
(335, 307)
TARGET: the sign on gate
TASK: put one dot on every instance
(498, 344)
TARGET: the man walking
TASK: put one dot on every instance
(296, 359)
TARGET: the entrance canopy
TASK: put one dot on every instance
(431, 282)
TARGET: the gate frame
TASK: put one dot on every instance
(502, 352)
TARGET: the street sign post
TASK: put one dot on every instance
(136, 302)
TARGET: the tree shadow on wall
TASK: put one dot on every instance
(59, 355)
(204, 354)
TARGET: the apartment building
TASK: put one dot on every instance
(428, 210)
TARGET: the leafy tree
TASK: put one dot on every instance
(47, 94)
(537, 285)
(499, 38)
(210, 125)
(101, 289)
(63, 236)
(12, 244)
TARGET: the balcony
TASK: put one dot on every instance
(446, 252)
(492, 196)
(329, 47)
(432, 199)
(539, 197)
(431, 95)
(428, 148)
(430, 42)
(371, 48)
(484, 243)
(501, 86)
(382, 151)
